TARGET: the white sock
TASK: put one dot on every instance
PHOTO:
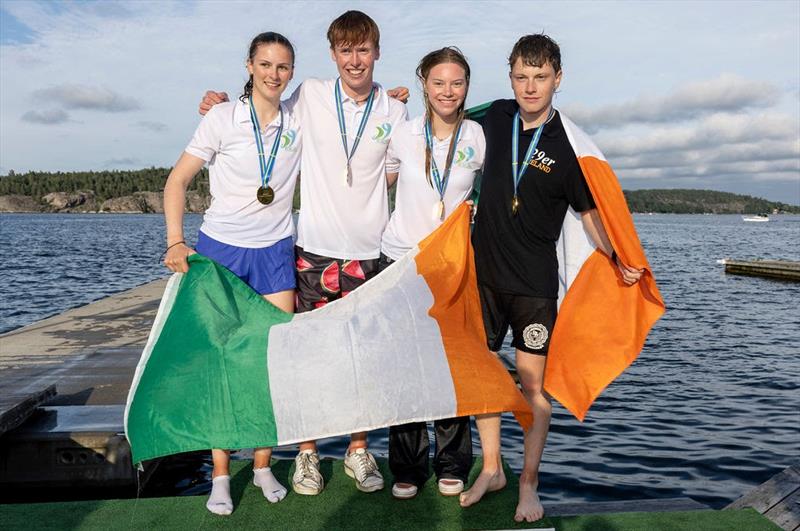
(219, 501)
(273, 491)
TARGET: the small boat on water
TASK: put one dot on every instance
(757, 218)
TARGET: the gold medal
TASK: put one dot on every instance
(440, 211)
(265, 195)
(514, 205)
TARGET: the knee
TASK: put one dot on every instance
(536, 395)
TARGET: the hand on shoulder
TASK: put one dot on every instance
(210, 99)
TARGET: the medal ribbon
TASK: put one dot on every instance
(517, 173)
(343, 126)
(439, 181)
(265, 165)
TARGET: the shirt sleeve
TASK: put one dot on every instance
(293, 103)
(577, 191)
(480, 140)
(206, 140)
(392, 156)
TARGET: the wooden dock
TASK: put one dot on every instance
(778, 269)
(67, 379)
(778, 499)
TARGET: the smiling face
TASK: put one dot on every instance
(534, 87)
(356, 64)
(446, 88)
(271, 68)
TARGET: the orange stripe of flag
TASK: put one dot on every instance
(482, 384)
(602, 323)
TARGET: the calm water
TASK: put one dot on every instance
(709, 409)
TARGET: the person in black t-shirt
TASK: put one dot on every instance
(516, 229)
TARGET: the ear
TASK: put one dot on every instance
(377, 53)
(558, 78)
(249, 66)
(333, 55)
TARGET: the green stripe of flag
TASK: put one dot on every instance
(214, 346)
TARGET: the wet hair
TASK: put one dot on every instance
(352, 28)
(536, 50)
(448, 54)
(268, 37)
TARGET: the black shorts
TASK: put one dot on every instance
(321, 280)
(531, 320)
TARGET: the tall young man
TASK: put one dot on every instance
(347, 123)
(531, 177)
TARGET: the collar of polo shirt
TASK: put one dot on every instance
(241, 114)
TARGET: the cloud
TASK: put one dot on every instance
(727, 93)
(155, 127)
(75, 96)
(46, 117)
(710, 132)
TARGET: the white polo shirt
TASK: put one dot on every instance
(225, 140)
(337, 220)
(414, 215)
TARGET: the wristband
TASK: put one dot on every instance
(173, 245)
(168, 248)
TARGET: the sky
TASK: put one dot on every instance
(677, 94)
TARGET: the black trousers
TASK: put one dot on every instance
(409, 445)
(409, 448)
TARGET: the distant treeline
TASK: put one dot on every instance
(683, 201)
(112, 184)
(104, 184)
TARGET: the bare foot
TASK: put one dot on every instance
(485, 482)
(529, 508)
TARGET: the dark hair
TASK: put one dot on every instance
(268, 37)
(536, 50)
(353, 28)
(448, 54)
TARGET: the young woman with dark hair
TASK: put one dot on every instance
(252, 147)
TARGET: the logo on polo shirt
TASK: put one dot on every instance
(464, 156)
(382, 133)
(288, 140)
(541, 161)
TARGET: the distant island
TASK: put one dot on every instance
(686, 201)
(140, 191)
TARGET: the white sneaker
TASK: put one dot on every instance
(404, 491)
(306, 478)
(450, 487)
(361, 466)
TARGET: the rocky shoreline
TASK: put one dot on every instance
(85, 201)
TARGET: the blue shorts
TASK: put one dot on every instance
(266, 270)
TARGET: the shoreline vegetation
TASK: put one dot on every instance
(141, 191)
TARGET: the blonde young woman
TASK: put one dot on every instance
(434, 159)
(252, 147)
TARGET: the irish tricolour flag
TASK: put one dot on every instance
(223, 368)
(602, 324)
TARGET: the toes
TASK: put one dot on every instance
(276, 495)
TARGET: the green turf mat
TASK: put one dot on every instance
(341, 506)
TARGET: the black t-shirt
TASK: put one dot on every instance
(517, 253)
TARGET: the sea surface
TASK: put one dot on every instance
(710, 408)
